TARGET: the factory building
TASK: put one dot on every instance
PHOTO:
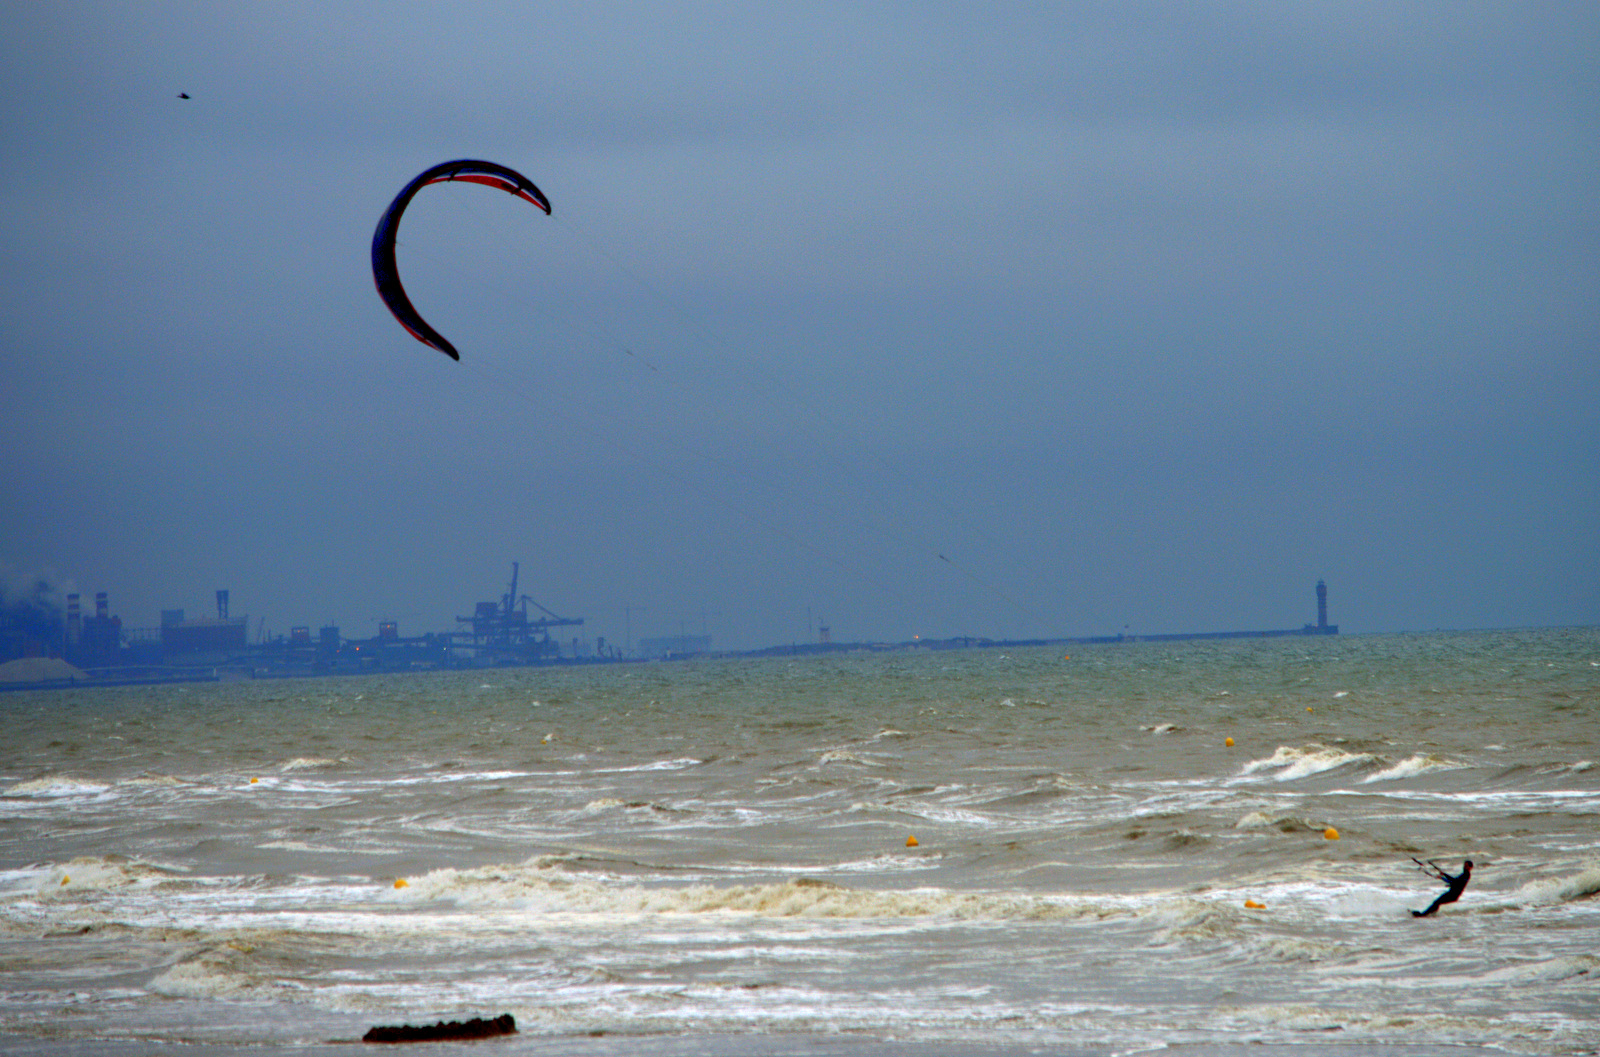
(206, 636)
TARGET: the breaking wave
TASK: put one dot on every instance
(1294, 763)
(56, 785)
(1411, 767)
(532, 887)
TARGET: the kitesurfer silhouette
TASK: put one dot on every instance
(1456, 884)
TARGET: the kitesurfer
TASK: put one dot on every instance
(1455, 884)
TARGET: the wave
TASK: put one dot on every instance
(1555, 890)
(658, 765)
(1294, 763)
(1564, 967)
(1412, 766)
(56, 785)
(86, 873)
(532, 887)
(1275, 820)
(248, 965)
(163, 780)
(842, 755)
(609, 803)
(306, 763)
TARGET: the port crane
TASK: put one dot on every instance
(504, 632)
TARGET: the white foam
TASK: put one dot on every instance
(665, 765)
(1553, 890)
(307, 763)
(1293, 763)
(56, 785)
(533, 888)
(1411, 767)
(1560, 968)
(165, 780)
(97, 874)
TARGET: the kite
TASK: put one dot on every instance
(384, 273)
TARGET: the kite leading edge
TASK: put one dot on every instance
(384, 273)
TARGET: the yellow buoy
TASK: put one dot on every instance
(253, 781)
(400, 882)
(1330, 834)
(911, 842)
(65, 878)
(1308, 708)
(1251, 904)
(1228, 742)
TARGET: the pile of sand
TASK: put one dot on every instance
(39, 670)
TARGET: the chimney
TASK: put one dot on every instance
(222, 604)
(1322, 604)
(74, 619)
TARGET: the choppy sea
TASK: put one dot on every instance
(1049, 850)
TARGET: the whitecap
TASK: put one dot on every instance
(1293, 763)
(306, 763)
(1550, 969)
(659, 765)
(56, 785)
(1411, 767)
(1554, 890)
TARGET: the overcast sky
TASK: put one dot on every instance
(936, 319)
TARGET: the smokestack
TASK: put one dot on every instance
(1322, 604)
(74, 619)
(102, 607)
(222, 604)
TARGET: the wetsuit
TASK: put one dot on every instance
(1457, 884)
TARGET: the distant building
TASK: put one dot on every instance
(203, 635)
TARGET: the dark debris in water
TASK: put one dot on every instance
(476, 1028)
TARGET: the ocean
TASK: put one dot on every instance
(1028, 850)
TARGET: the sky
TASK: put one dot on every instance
(902, 319)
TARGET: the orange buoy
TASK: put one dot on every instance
(401, 882)
(1228, 742)
(911, 842)
(1251, 904)
(1330, 834)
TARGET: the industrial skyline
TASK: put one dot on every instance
(498, 633)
